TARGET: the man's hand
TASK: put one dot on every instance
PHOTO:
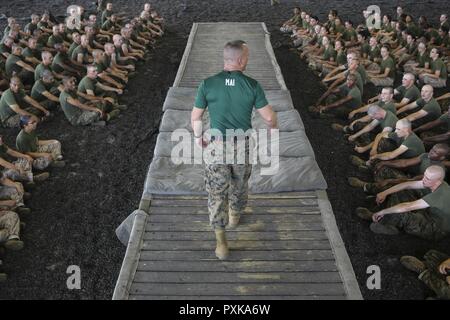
(47, 113)
(322, 108)
(444, 267)
(351, 138)
(351, 115)
(19, 187)
(48, 157)
(119, 91)
(10, 203)
(201, 142)
(377, 217)
(381, 197)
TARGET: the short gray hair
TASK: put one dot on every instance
(373, 109)
(233, 50)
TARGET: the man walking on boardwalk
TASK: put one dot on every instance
(230, 97)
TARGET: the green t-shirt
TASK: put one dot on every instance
(388, 107)
(54, 40)
(439, 202)
(363, 73)
(58, 60)
(388, 63)
(412, 142)
(4, 48)
(71, 112)
(389, 121)
(349, 35)
(72, 47)
(432, 107)
(31, 53)
(27, 142)
(8, 99)
(329, 53)
(438, 64)
(79, 50)
(445, 118)
(12, 66)
(374, 53)
(30, 27)
(230, 97)
(341, 58)
(365, 49)
(39, 70)
(412, 94)
(3, 151)
(353, 92)
(87, 84)
(426, 162)
(39, 88)
(340, 29)
(106, 15)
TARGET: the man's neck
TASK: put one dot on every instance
(231, 68)
(436, 186)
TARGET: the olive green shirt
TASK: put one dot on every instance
(230, 97)
(12, 66)
(80, 50)
(354, 93)
(412, 94)
(329, 53)
(39, 70)
(389, 121)
(8, 99)
(426, 162)
(39, 88)
(439, 65)
(27, 142)
(71, 112)
(439, 202)
(388, 106)
(445, 118)
(412, 142)
(388, 63)
(432, 107)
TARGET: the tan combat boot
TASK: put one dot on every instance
(222, 246)
(233, 219)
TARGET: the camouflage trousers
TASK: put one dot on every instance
(435, 83)
(9, 226)
(382, 82)
(432, 277)
(25, 174)
(85, 118)
(408, 67)
(51, 146)
(11, 193)
(227, 187)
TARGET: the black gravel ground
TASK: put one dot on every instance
(77, 210)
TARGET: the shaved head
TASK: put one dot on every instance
(435, 173)
(233, 51)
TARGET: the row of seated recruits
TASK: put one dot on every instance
(401, 135)
(45, 67)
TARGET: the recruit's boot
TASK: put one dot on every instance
(357, 161)
(413, 264)
(113, 114)
(355, 182)
(383, 229)
(364, 213)
(13, 245)
(221, 246)
(233, 219)
(41, 176)
(58, 164)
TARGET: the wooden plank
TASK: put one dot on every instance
(245, 218)
(280, 195)
(257, 226)
(236, 277)
(285, 255)
(239, 290)
(226, 297)
(240, 235)
(250, 203)
(237, 245)
(250, 211)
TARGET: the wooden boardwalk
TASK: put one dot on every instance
(287, 245)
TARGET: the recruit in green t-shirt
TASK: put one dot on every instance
(27, 142)
(439, 202)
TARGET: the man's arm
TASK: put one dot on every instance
(401, 208)
(36, 105)
(366, 129)
(410, 106)
(390, 155)
(269, 116)
(416, 115)
(428, 125)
